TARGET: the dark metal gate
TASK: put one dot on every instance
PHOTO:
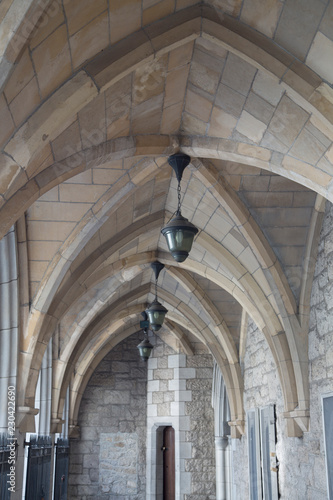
(39, 468)
(4, 467)
(61, 469)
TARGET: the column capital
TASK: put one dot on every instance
(237, 428)
(56, 425)
(221, 442)
(25, 418)
(298, 421)
(74, 431)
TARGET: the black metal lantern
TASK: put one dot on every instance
(145, 347)
(156, 312)
(179, 231)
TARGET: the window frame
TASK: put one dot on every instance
(329, 477)
(263, 420)
(252, 416)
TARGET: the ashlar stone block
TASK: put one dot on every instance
(268, 88)
(153, 386)
(238, 74)
(152, 410)
(230, 100)
(251, 127)
(203, 76)
(79, 14)
(163, 409)
(198, 106)
(90, 40)
(50, 20)
(125, 18)
(180, 56)
(52, 61)
(149, 80)
(25, 102)
(221, 124)
(6, 121)
(174, 385)
(287, 121)
(21, 76)
(177, 408)
(262, 17)
(157, 397)
(177, 361)
(307, 148)
(185, 373)
(192, 125)
(171, 119)
(295, 34)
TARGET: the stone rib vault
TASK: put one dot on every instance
(94, 98)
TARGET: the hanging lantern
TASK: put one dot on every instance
(179, 231)
(156, 312)
(145, 347)
(179, 234)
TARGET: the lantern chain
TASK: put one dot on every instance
(179, 198)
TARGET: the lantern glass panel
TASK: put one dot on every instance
(156, 319)
(179, 240)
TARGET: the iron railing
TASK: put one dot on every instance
(4, 467)
(61, 469)
(39, 468)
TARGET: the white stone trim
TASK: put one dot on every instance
(176, 419)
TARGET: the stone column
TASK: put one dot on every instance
(65, 417)
(222, 439)
(8, 322)
(45, 393)
(221, 446)
(9, 338)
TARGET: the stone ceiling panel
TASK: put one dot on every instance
(298, 24)
(284, 215)
(227, 305)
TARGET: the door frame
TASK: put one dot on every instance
(155, 459)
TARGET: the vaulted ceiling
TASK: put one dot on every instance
(95, 97)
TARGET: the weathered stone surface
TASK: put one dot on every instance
(118, 463)
(304, 477)
(165, 374)
(192, 408)
(109, 459)
(51, 52)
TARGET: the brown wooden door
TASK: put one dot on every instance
(168, 463)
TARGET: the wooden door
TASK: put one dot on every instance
(168, 463)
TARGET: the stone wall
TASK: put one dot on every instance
(179, 394)
(261, 387)
(109, 459)
(302, 471)
(201, 434)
